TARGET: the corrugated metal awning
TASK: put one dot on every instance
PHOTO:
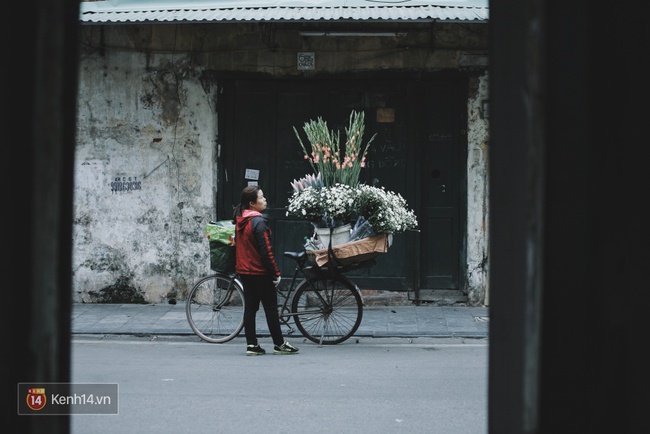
(198, 11)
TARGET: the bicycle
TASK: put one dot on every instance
(325, 306)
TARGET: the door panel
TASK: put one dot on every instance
(294, 101)
(440, 192)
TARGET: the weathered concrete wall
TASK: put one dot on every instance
(145, 176)
(477, 192)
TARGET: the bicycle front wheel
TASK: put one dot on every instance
(327, 310)
(215, 308)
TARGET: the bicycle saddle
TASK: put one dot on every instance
(295, 255)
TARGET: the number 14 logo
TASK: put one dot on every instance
(36, 398)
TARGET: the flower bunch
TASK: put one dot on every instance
(386, 211)
(324, 207)
(355, 151)
(332, 195)
(315, 181)
(336, 164)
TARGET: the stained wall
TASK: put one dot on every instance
(147, 140)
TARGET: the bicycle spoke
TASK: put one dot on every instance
(215, 309)
(339, 309)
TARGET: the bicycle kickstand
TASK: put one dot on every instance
(291, 330)
(287, 325)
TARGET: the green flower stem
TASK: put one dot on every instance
(325, 153)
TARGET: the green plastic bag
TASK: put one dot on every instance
(222, 232)
(221, 235)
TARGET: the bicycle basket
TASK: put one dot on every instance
(330, 269)
(221, 235)
(352, 262)
(222, 257)
(351, 254)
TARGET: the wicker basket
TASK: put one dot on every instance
(352, 260)
(350, 254)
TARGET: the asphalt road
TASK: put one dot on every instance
(364, 385)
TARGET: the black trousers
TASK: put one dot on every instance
(260, 289)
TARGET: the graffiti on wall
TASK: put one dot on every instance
(125, 184)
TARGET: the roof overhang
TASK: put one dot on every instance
(229, 11)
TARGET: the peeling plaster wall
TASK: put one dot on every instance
(144, 177)
(477, 194)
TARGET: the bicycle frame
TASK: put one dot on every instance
(324, 305)
(287, 295)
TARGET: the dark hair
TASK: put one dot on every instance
(248, 195)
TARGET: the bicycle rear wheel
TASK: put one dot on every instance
(215, 308)
(328, 309)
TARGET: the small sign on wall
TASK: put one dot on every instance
(306, 61)
(385, 115)
(252, 175)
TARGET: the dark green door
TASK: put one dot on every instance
(258, 144)
(442, 148)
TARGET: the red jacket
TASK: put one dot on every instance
(253, 248)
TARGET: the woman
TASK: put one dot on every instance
(258, 271)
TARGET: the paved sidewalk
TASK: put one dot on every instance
(378, 321)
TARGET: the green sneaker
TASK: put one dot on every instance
(285, 348)
(254, 350)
